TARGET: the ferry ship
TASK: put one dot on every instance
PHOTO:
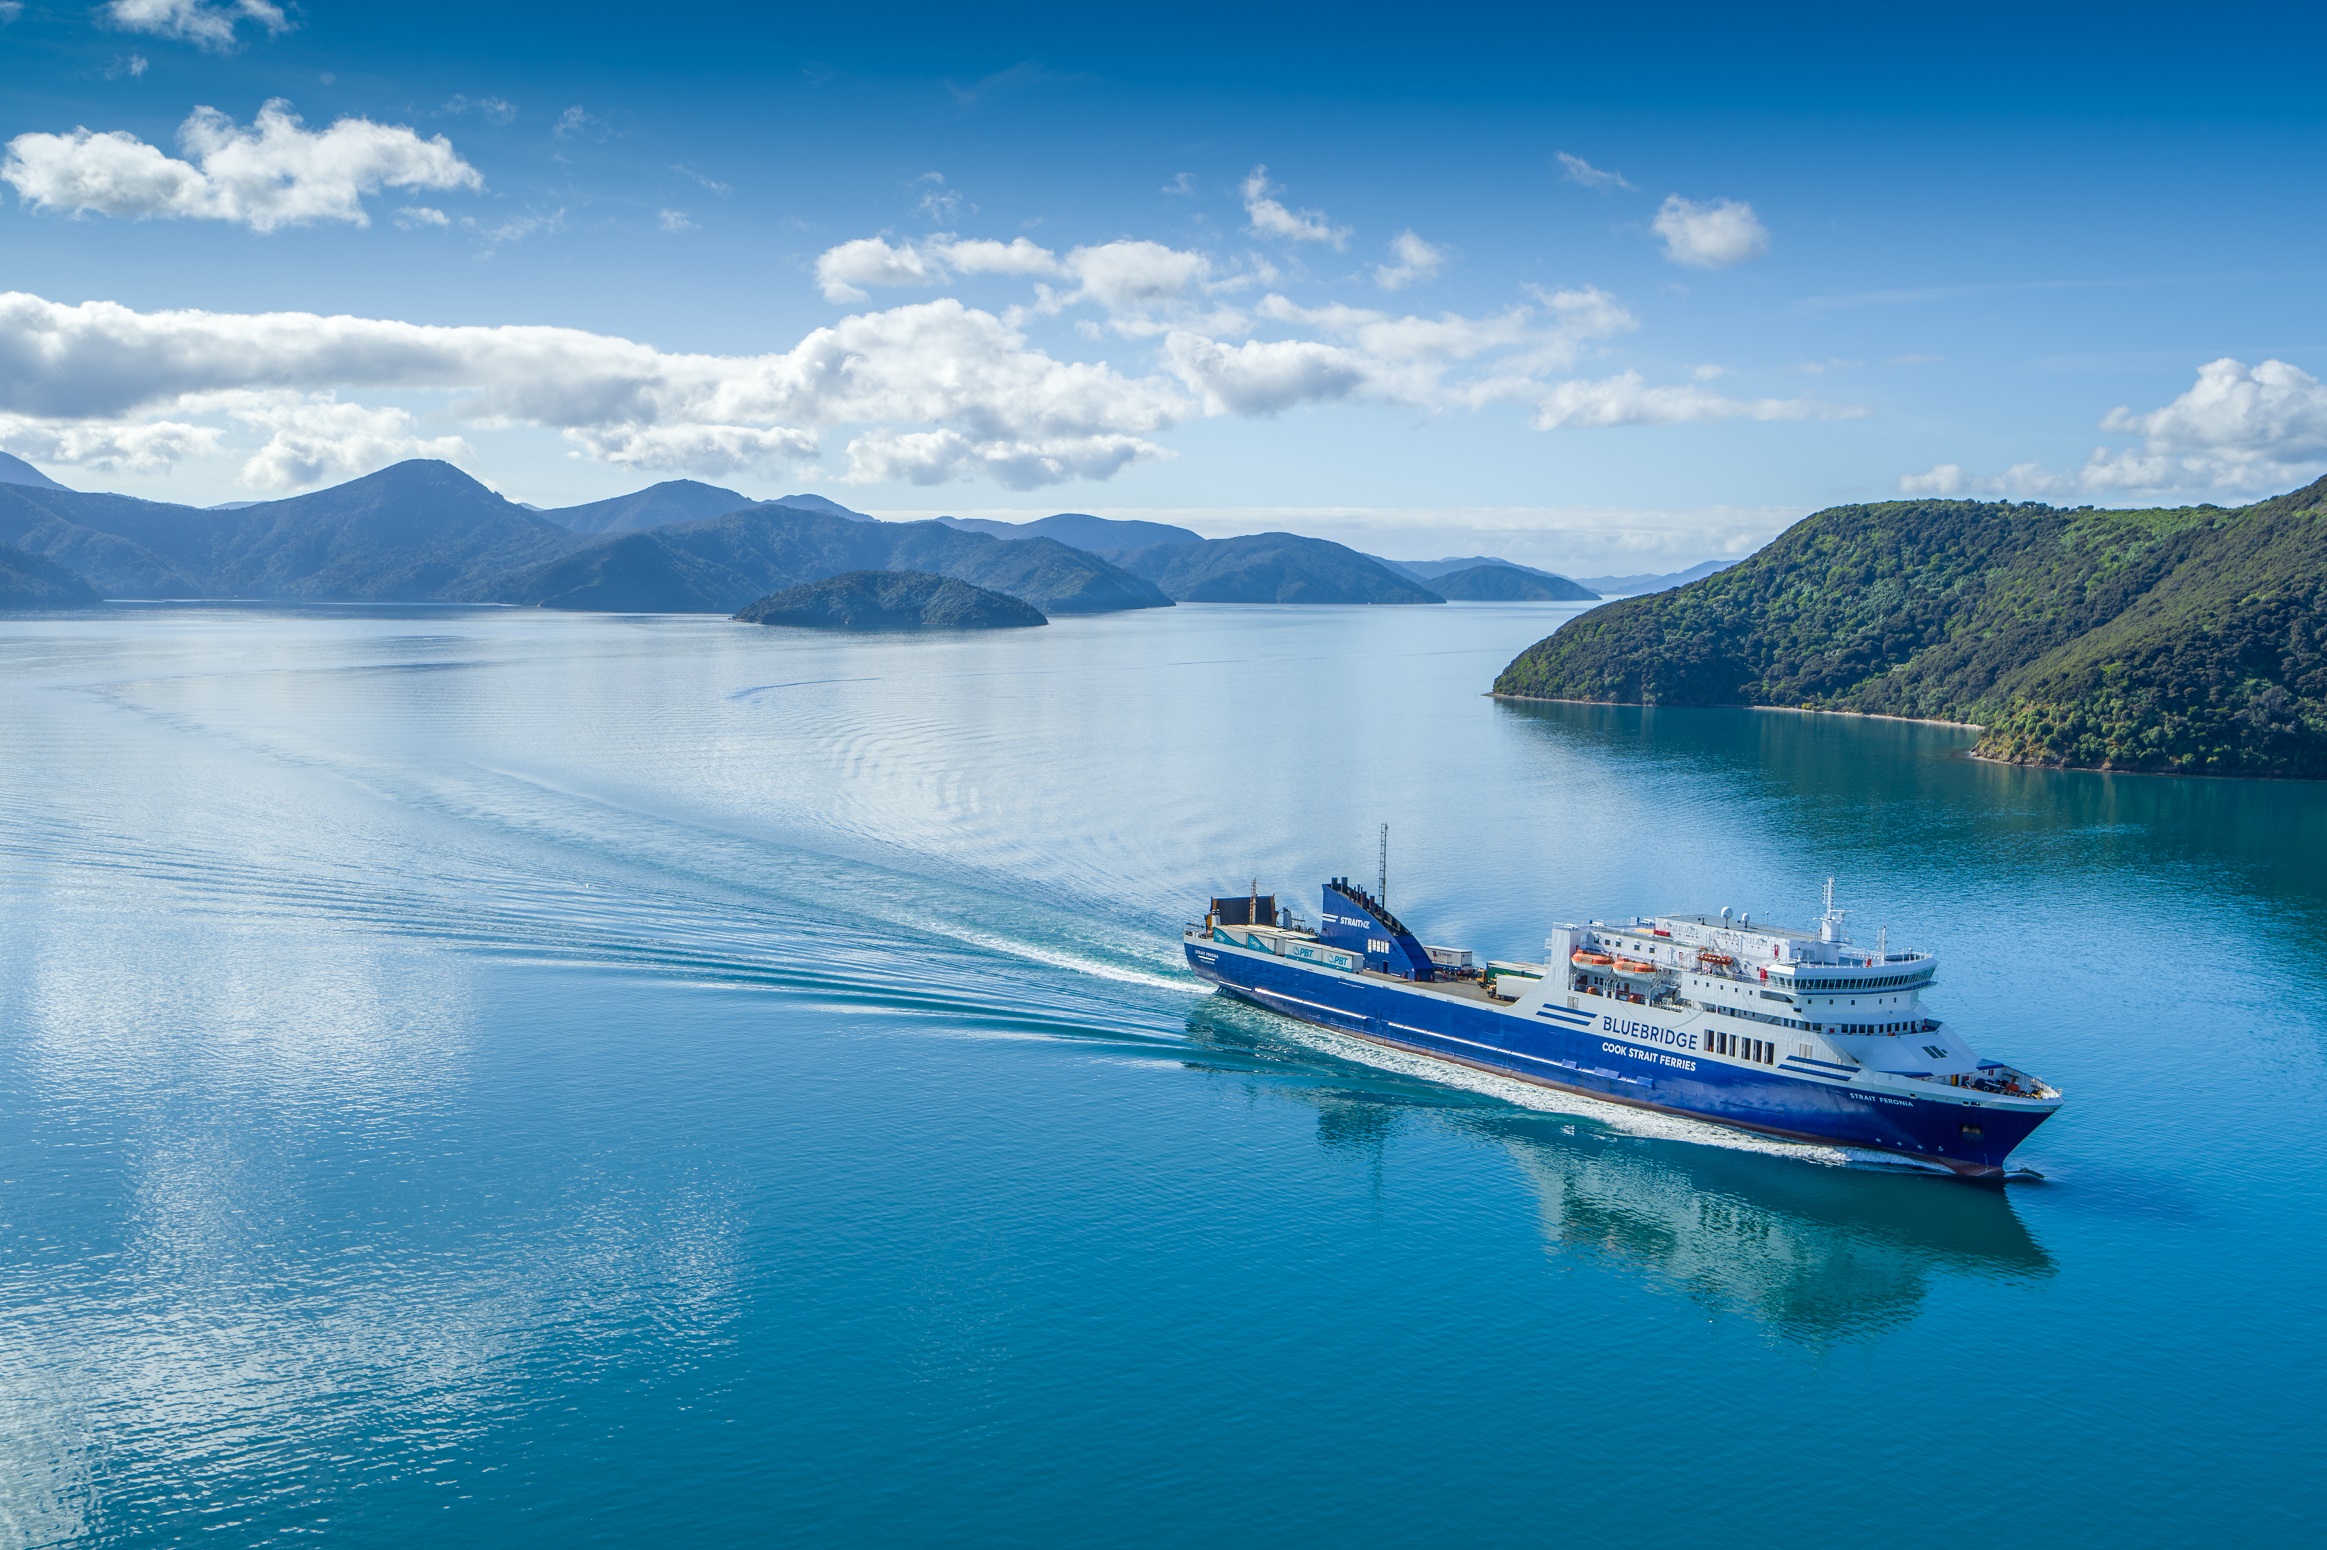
(1802, 1034)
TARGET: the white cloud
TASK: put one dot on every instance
(1264, 378)
(2022, 481)
(1710, 236)
(981, 255)
(314, 438)
(2236, 430)
(494, 110)
(935, 365)
(938, 202)
(276, 173)
(153, 447)
(578, 122)
(10, 10)
(1577, 170)
(422, 215)
(934, 457)
(1181, 183)
(1628, 399)
(673, 220)
(1271, 219)
(843, 273)
(698, 449)
(205, 23)
(1136, 277)
(516, 228)
(1415, 260)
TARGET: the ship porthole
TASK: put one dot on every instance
(1971, 1130)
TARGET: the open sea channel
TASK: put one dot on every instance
(486, 1078)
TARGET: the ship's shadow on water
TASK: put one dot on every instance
(1815, 1252)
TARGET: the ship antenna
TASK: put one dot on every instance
(1382, 873)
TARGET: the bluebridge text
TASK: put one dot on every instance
(1649, 1031)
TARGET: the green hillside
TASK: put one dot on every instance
(2191, 640)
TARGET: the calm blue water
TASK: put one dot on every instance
(486, 1078)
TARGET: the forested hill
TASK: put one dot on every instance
(2190, 640)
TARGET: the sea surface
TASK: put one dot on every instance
(489, 1078)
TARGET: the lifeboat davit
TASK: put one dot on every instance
(1584, 960)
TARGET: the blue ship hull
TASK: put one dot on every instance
(1617, 1056)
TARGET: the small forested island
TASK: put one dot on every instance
(2189, 640)
(891, 600)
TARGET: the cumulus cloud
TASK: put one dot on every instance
(1710, 236)
(923, 392)
(1577, 170)
(207, 24)
(1628, 399)
(1412, 260)
(153, 447)
(314, 438)
(932, 365)
(275, 173)
(1265, 378)
(934, 457)
(698, 449)
(1271, 219)
(846, 272)
(2237, 429)
(2024, 481)
(2234, 428)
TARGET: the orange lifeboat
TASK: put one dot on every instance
(1634, 966)
(1584, 960)
(1713, 960)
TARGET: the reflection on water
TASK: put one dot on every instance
(1813, 1250)
(1816, 1254)
(1912, 790)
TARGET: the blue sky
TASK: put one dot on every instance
(1575, 287)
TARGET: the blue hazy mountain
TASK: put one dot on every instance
(724, 564)
(1080, 530)
(830, 508)
(15, 470)
(658, 505)
(420, 531)
(1650, 581)
(1508, 584)
(29, 581)
(1273, 568)
(891, 600)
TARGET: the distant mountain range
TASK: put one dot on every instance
(1651, 581)
(891, 600)
(416, 532)
(723, 564)
(1100, 535)
(425, 532)
(1273, 568)
(1483, 578)
(2191, 639)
